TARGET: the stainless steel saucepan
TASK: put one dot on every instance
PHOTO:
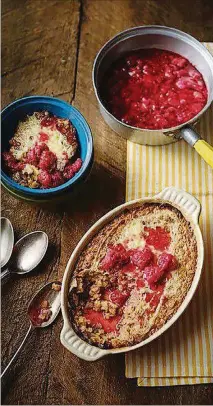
(163, 38)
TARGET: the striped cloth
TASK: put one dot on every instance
(183, 354)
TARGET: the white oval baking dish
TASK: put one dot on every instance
(190, 208)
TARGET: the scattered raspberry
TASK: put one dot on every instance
(11, 163)
(167, 262)
(43, 137)
(71, 169)
(153, 274)
(48, 160)
(48, 121)
(117, 297)
(141, 257)
(116, 255)
(45, 179)
(34, 154)
(140, 283)
(128, 268)
(57, 178)
(71, 135)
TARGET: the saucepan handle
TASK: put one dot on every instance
(202, 147)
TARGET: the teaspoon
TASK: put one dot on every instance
(42, 311)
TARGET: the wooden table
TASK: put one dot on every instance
(48, 48)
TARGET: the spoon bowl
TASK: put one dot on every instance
(52, 297)
(7, 240)
(27, 254)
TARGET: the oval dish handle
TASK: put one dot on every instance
(77, 346)
(183, 199)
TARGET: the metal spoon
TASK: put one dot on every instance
(27, 254)
(7, 240)
(53, 298)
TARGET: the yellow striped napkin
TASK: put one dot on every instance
(183, 354)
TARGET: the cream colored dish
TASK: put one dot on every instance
(190, 208)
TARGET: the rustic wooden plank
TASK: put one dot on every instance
(39, 57)
(47, 373)
(103, 382)
(39, 52)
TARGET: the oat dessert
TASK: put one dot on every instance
(133, 276)
(43, 152)
(153, 89)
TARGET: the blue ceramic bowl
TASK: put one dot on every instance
(17, 111)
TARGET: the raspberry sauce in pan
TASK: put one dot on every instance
(153, 89)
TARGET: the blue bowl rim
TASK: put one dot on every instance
(86, 162)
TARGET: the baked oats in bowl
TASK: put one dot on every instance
(47, 147)
(132, 275)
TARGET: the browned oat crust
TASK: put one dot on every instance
(89, 280)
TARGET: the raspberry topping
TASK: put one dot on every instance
(154, 89)
(47, 160)
(167, 262)
(34, 154)
(116, 255)
(48, 121)
(128, 268)
(45, 179)
(153, 274)
(43, 136)
(71, 169)
(97, 318)
(158, 237)
(116, 296)
(141, 257)
(57, 178)
(154, 297)
(140, 283)
(12, 163)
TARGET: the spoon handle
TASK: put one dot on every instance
(4, 273)
(18, 350)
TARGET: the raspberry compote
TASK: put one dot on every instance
(153, 89)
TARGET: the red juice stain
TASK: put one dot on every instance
(158, 237)
(97, 319)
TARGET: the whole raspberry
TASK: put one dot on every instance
(48, 121)
(141, 257)
(76, 166)
(116, 255)
(47, 160)
(152, 274)
(11, 163)
(71, 169)
(34, 154)
(45, 179)
(57, 178)
(167, 262)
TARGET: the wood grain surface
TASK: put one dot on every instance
(48, 47)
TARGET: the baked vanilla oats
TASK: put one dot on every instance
(133, 276)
